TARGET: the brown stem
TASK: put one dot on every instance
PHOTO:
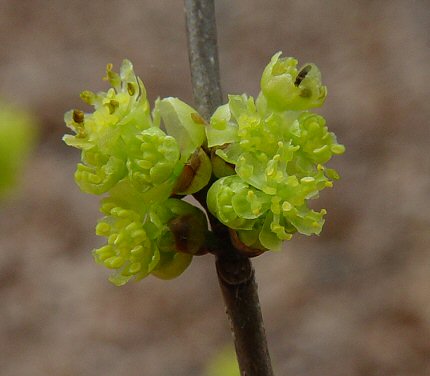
(235, 271)
(239, 289)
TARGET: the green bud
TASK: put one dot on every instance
(183, 123)
(172, 265)
(189, 232)
(285, 87)
(195, 175)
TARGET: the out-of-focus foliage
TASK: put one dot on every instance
(223, 364)
(17, 136)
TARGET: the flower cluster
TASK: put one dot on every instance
(269, 156)
(266, 158)
(142, 239)
(126, 155)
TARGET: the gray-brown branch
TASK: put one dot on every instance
(203, 55)
(235, 271)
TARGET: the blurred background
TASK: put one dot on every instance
(353, 301)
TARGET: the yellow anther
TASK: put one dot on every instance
(130, 89)
(78, 116)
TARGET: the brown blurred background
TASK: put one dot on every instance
(353, 301)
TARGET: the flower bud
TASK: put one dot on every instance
(285, 87)
(172, 265)
(195, 175)
(183, 123)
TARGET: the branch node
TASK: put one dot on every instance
(233, 270)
